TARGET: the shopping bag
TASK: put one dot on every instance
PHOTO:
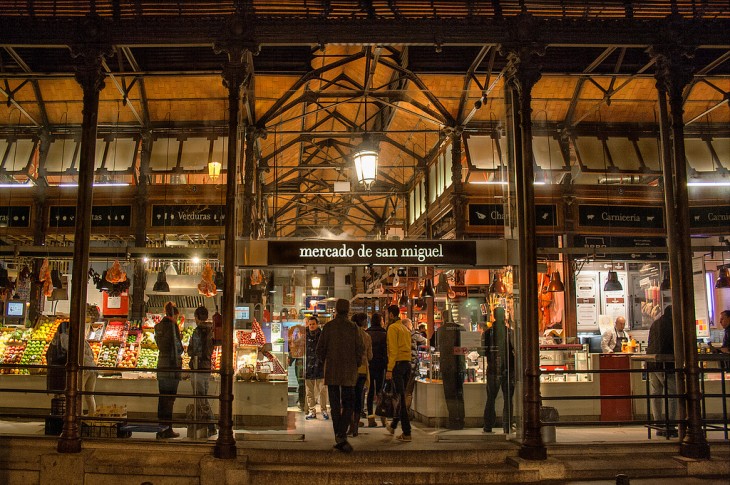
(388, 401)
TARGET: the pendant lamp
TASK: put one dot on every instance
(612, 282)
(219, 281)
(443, 284)
(497, 287)
(161, 284)
(556, 285)
(723, 278)
(403, 301)
(666, 282)
(427, 291)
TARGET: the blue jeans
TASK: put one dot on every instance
(401, 375)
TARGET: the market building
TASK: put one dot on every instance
(542, 168)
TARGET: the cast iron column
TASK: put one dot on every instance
(457, 196)
(522, 74)
(140, 227)
(234, 74)
(90, 76)
(673, 73)
(248, 179)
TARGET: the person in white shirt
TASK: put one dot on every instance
(612, 339)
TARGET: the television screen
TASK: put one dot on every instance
(15, 309)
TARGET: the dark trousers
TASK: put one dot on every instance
(401, 375)
(342, 404)
(359, 396)
(453, 381)
(495, 383)
(165, 404)
(301, 388)
(377, 376)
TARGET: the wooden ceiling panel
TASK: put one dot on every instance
(65, 89)
(720, 115)
(61, 113)
(635, 89)
(702, 91)
(553, 87)
(112, 112)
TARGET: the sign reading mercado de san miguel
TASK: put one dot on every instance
(454, 253)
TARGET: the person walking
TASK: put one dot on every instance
(452, 372)
(377, 364)
(662, 379)
(340, 348)
(169, 363)
(200, 350)
(417, 340)
(399, 369)
(314, 372)
(363, 377)
(498, 347)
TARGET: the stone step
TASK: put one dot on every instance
(357, 473)
(485, 455)
(640, 465)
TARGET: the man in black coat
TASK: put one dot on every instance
(498, 348)
(452, 372)
(341, 348)
(663, 379)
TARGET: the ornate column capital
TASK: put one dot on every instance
(524, 44)
(236, 41)
(91, 46)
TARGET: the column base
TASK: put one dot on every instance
(533, 452)
(69, 445)
(698, 451)
(225, 450)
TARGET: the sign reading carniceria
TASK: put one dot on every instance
(372, 252)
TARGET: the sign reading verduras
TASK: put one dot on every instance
(187, 215)
(455, 253)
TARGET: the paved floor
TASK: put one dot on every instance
(318, 434)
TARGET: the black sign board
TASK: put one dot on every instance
(607, 242)
(101, 216)
(187, 215)
(493, 215)
(455, 253)
(640, 217)
(15, 216)
(715, 216)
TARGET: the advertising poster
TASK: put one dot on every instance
(586, 294)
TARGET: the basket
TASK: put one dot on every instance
(100, 429)
(58, 406)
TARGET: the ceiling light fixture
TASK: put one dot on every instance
(366, 157)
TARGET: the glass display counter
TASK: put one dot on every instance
(565, 357)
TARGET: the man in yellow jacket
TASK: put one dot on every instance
(399, 368)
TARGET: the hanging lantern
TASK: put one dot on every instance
(497, 287)
(161, 284)
(666, 282)
(612, 282)
(214, 169)
(556, 285)
(427, 291)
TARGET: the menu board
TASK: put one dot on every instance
(586, 294)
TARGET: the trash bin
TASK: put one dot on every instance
(548, 415)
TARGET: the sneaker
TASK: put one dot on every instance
(325, 416)
(389, 428)
(311, 415)
(404, 437)
(168, 433)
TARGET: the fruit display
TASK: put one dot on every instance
(35, 353)
(18, 337)
(128, 357)
(96, 348)
(108, 355)
(96, 331)
(147, 358)
(186, 334)
(45, 330)
(4, 337)
(13, 354)
(133, 338)
(114, 332)
(148, 339)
